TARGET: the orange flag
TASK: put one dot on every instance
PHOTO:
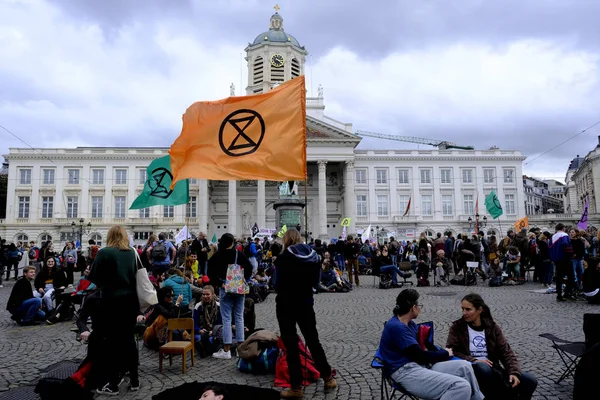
(247, 137)
(522, 223)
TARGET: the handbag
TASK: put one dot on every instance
(234, 279)
(145, 291)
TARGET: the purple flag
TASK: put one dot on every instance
(583, 222)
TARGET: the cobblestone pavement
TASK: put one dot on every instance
(349, 326)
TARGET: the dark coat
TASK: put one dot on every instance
(298, 270)
(58, 277)
(197, 246)
(499, 350)
(218, 263)
(20, 292)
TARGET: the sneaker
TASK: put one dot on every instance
(330, 383)
(134, 386)
(108, 390)
(52, 320)
(222, 354)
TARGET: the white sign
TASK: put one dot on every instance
(405, 233)
(182, 235)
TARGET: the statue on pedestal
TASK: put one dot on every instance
(232, 90)
(288, 188)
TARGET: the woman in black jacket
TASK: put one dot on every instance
(297, 271)
(230, 303)
(50, 278)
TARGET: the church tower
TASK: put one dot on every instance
(273, 58)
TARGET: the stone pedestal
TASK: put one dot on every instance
(289, 211)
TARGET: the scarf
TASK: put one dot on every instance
(210, 313)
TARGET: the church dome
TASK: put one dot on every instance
(276, 33)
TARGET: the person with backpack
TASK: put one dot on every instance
(161, 254)
(229, 262)
(92, 251)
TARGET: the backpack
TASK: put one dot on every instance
(33, 254)
(234, 279)
(159, 251)
(265, 362)
(246, 251)
(93, 252)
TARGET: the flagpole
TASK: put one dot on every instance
(306, 209)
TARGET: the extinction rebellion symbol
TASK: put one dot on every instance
(160, 183)
(241, 133)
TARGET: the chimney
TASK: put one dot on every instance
(598, 140)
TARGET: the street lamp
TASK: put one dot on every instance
(80, 229)
(478, 224)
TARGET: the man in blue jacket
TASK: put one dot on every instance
(561, 253)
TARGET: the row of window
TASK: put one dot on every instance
(64, 237)
(97, 207)
(427, 206)
(468, 175)
(73, 176)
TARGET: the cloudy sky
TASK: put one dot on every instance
(512, 73)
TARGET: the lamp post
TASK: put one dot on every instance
(478, 224)
(80, 228)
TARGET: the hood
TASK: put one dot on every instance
(304, 253)
(176, 279)
(558, 235)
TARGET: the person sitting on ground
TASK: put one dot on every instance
(591, 281)
(329, 280)
(157, 278)
(495, 272)
(180, 285)
(23, 306)
(206, 316)
(65, 309)
(513, 265)
(214, 393)
(155, 334)
(50, 278)
(478, 339)
(405, 361)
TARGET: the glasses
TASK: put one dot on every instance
(170, 295)
(419, 305)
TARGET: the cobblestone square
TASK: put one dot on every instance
(349, 326)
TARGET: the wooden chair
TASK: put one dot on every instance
(178, 347)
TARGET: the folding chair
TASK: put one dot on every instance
(404, 266)
(389, 388)
(569, 352)
(178, 347)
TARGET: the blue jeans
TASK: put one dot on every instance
(547, 272)
(394, 258)
(232, 305)
(395, 271)
(28, 310)
(340, 261)
(577, 269)
(489, 384)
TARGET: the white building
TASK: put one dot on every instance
(538, 197)
(586, 181)
(49, 189)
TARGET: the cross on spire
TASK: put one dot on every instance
(276, 8)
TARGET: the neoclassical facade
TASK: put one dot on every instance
(48, 189)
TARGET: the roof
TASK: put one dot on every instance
(276, 34)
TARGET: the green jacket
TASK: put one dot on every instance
(113, 271)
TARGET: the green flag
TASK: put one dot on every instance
(214, 239)
(157, 189)
(493, 206)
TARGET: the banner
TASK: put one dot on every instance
(522, 223)
(493, 206)
(367, 233)
(182, 235)
(344, 233)
(407, 207)
(262, 136)
(255, 229)
(158, 188)
(583, 222)
(214, 239)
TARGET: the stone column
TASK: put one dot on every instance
(203, 207)
(322, 199)
(260, 205)
(232, 221)
(350, 197)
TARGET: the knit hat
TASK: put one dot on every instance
(205, 279)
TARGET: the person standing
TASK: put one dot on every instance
(114, 272)
(297, 272)
(201, 248)
(561, 253)
(352, 250)
(70, 257)
(230, 303)
(162, 254)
